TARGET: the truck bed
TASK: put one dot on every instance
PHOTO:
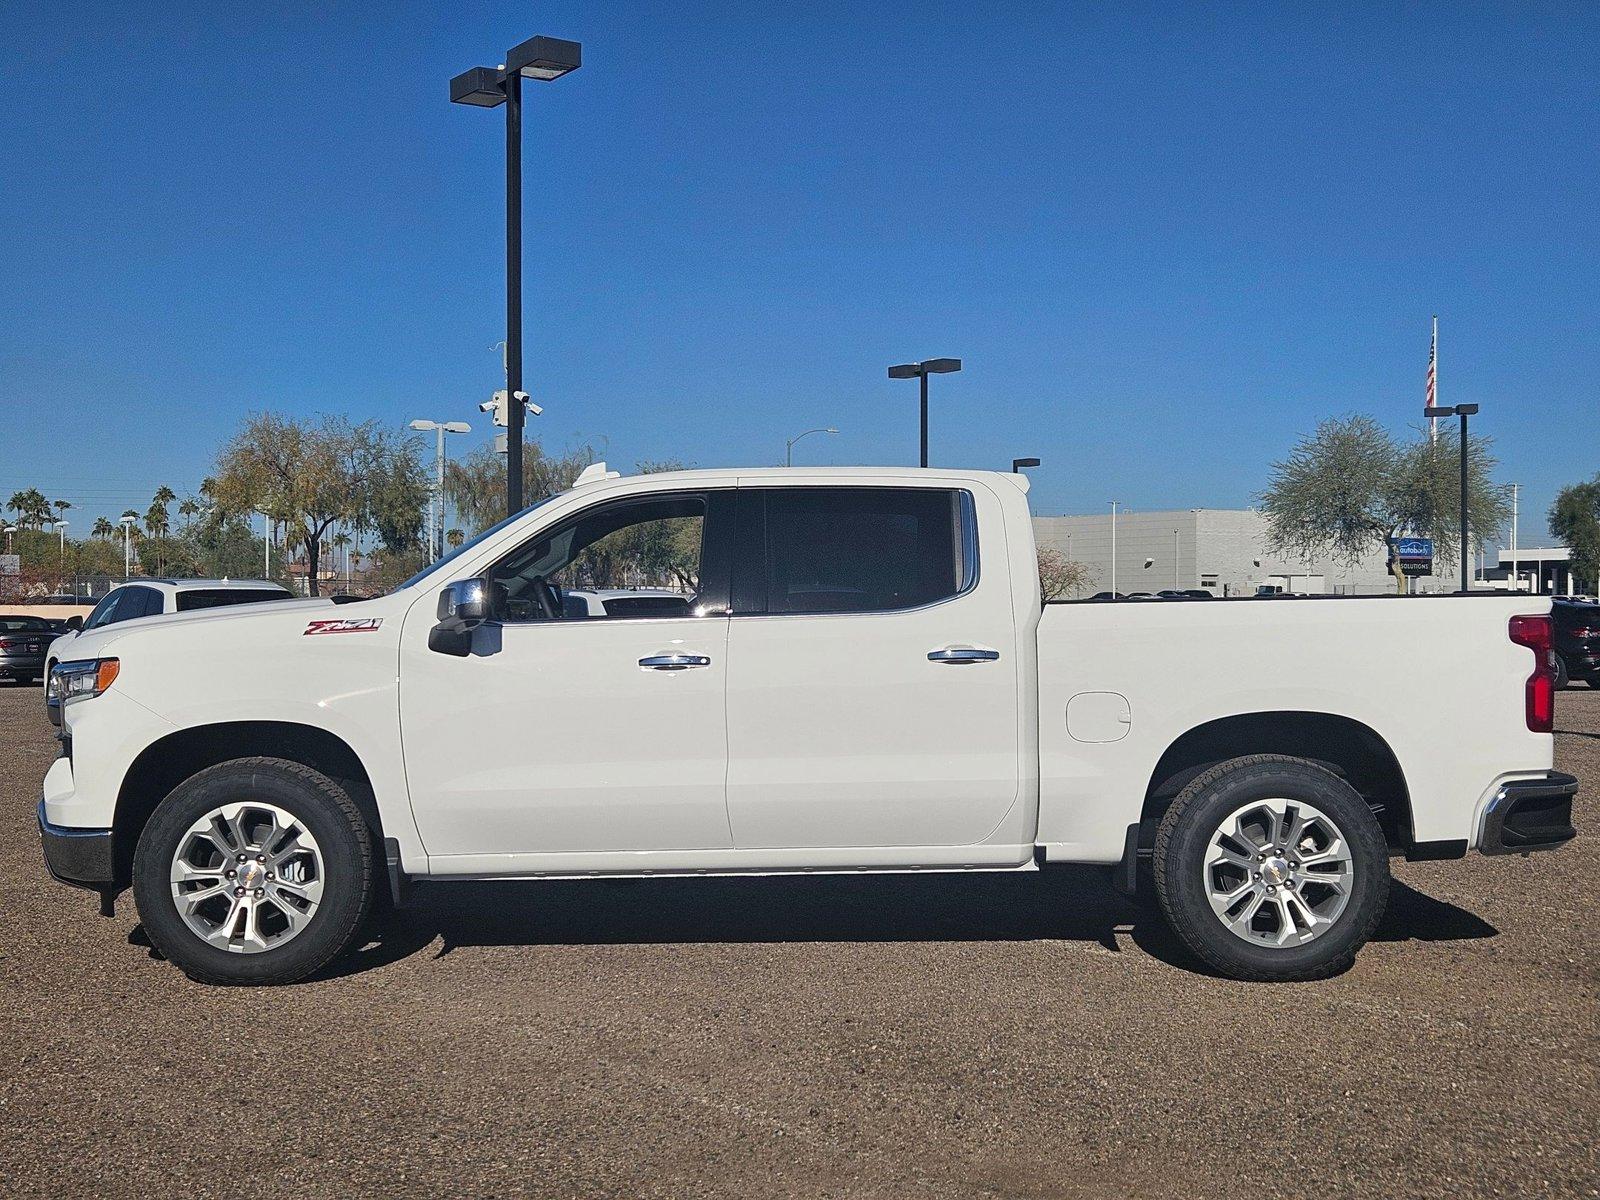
(1131, 692)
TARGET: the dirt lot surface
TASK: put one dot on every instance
(892, 1036)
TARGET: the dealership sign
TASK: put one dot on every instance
(1415, 555)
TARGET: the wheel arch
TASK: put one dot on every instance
(167, 762)
(1347, 747)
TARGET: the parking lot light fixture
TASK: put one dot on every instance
(920, 372)
(436, 501)
(127, 544)
(541, 58)
(788, 446)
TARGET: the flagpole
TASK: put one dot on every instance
(1433, 381)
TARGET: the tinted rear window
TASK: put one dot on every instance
(835, 550)
(221, 597)
(25, 625)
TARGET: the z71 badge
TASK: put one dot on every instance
(355, 625)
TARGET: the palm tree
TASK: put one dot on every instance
(103, 528)
(455, 537)
(189, 510)
(61, 507)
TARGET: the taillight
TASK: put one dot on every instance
(1539, 694)
(5, 645)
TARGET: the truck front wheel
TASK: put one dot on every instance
(1271, 868)
(254, 871)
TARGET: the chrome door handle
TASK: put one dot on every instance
(959, 657)
(674, 662)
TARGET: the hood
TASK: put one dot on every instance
(95, 643)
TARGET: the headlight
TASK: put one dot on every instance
(81, 680)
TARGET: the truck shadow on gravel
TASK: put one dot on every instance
(1072, 904)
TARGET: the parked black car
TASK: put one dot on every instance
(1577, 629)
(23, 642)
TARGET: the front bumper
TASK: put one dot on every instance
(1529, 814)
(81, 857)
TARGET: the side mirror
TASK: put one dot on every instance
(74, 623)
(463, 606)
(466, 600)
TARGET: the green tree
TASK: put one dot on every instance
(1350, 487)
(103, 528)
(32, 509)
(61, 507)
(476, 484)
(1575, 519)
(314, 475)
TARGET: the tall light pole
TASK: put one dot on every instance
(1463, 411)
(436, 523)
(540, 58)
(920, 371)
(1114, 504)
(266, 544)
(61, 560)
(10, 529)
(127, 545)
(1516, 579)
(1018, 463)
(788, 446)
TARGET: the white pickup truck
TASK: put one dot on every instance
(865, 679)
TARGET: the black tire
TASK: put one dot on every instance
(1562, 676)
(328, 814)
(1180, 854)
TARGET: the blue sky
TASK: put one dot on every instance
(1165, 239)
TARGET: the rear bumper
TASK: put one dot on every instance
(1529, 814)
(11, 667)
(81, 857)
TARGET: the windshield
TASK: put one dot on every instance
(470, 544)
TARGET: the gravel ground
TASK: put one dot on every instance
(1019, 1036)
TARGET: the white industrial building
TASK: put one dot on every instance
(1222, 550)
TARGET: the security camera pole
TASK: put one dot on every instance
(489, 87)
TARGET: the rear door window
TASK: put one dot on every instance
(863, 550)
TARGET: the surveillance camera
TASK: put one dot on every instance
(487, 406)
(1148, 563)
(528, 403)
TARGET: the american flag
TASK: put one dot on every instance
(1433, 376)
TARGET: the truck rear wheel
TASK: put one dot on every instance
(254, 871)
(1271, 868)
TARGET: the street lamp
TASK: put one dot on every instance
(127, 524)
(540, 58)
(1463, 411)
(436, 524)
(1018, 463)
(788, 447)
(61, 560)
(921, 371)
(10, 529)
